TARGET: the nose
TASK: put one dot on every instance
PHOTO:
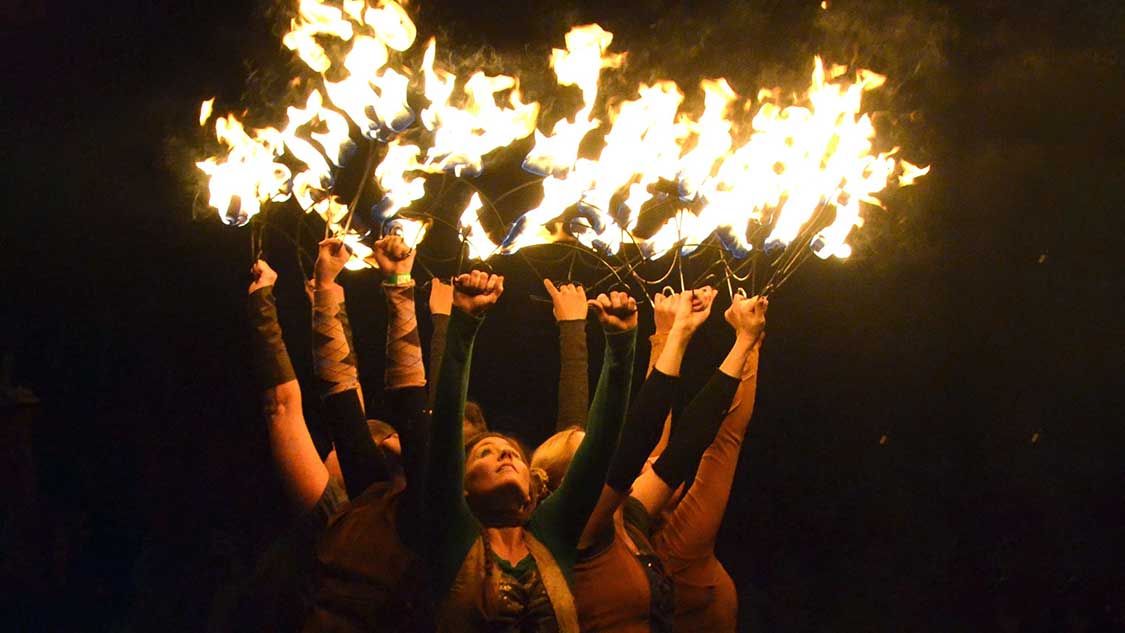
(507, 454)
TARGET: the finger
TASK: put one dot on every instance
(499, 285)
(551, 289)
(490, 285)
(632, 305)
(596, 306)
(658, 300)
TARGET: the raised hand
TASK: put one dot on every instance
(569, 300)
(475, 292)
(664, 311)
(700, 301)
(617, 311)
(392, 256)
(748, 316)
(262, 275)
(441, 297)
(332, 254)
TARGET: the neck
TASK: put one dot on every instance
(507, 543)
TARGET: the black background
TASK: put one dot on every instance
(938, 442)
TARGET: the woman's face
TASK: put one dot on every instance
(495, 466)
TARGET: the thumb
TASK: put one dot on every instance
(596, 306)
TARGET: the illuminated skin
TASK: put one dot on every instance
(495, 468)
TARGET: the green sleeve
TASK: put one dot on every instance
(450, 526)
(559, 520)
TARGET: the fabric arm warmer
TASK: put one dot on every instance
(437, 350)
(361, 461)
(404, 346)
(334, 359)
(695, 429)
(272, 366)
(642, 430)
(574, 383)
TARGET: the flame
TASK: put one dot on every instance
(205, 111)
(412, 231)
(785, 167)
(910, 173)
(463, 136)
(579, 65)
(399, 189)
(392, 25)
(315, 18)
(248, 175)
(476, 238)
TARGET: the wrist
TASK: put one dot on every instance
(398, 279)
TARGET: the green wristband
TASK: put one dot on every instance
(397, 279)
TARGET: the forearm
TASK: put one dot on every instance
(405, 367)
(332, 349)
(362, 462)
(642, 429)
(437, 349)
(691, 530)
(656, 347)
(672, 351)
(695, 430)
(573, 382)
(577, 496)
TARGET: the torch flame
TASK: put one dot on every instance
(205, 111)
(798, 167)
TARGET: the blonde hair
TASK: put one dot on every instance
(553, 456)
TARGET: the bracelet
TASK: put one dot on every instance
(398, 279)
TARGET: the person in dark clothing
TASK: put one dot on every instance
(279, 592)
(369, 576)
(501, 558)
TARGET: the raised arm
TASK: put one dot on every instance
(441, 305)
(404, 377)
(565, 512)
(570, 312)
(648, 412)
(302, 473)
(690, 531)
(700, 421)
(449, 524)
(361, 461)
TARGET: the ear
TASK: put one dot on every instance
(539, 488)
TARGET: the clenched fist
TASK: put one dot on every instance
(617, 311)
(475, 292)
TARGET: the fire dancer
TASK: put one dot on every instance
(706, 598)
(369, 575)
(501, 557)
(282, 585)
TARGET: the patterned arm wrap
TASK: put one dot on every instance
(405, 367)
(332, 346)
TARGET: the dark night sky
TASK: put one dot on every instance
(979, 311)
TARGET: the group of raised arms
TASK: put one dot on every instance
(428, 521)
